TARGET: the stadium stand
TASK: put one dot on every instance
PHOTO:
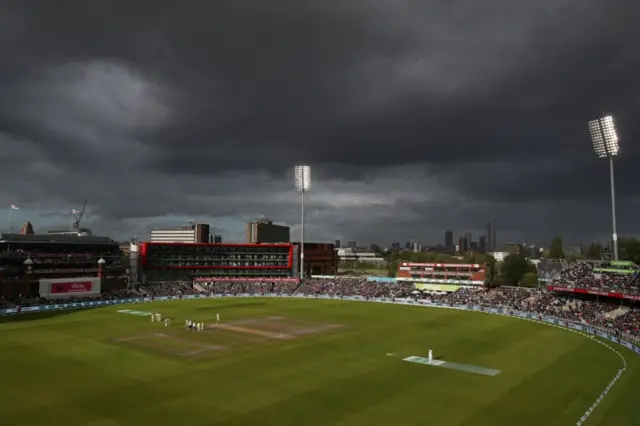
(587, 275)
(612, 318)
(550, 270)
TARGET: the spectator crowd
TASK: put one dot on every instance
(585, 275)
(608, 316)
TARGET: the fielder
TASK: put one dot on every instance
(430, 355)
(167, 322)
(217, 318)
(186, 323)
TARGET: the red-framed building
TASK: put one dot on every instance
(203, 261)
(442, 273)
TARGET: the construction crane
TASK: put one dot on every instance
(76, 216)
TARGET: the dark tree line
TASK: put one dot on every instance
(516, 270)
(629, 248)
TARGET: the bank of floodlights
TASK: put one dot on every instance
(303, 184)
(604, 137)
(606, 145)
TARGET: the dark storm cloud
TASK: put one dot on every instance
(417, 116)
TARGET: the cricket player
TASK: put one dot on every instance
(186, 323)
(158, 317)
(167, 322)
(217, 318)
(200, 326)
(153, 317)
(430, 355)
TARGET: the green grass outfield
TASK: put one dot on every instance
(315, 362)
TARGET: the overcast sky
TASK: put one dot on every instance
(416, 116)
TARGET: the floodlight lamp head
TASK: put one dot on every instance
(303, 178)
(604, 137)
(610, 135)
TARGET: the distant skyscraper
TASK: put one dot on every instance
(491, 244)
(337, 243)
(494, 243)
(482, 243)
(448, 239)
(352, 244)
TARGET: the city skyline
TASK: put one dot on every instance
(413, 123)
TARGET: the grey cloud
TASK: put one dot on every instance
(416, 116)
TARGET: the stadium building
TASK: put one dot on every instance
(319, 259)
(442, 277)
(216, 262)
(265, 231)
(53, 266)
(189, 233)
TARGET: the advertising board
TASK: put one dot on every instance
(437, 287)
(69, 287)
(594, 292)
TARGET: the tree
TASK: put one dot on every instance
(513, 269)
(491, 271)
(571, 258)
(529, 280)
(531, 268)
(555, 249)
(629, 249)
(392, 268)
(594, 251)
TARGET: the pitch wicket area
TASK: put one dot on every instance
(278, 327)
(219, 338)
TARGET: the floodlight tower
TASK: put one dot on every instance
(605, 144)
(303, 184)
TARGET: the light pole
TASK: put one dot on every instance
(303, 184)
(605, 144)
(12, 207)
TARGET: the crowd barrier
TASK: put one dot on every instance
(556, 322)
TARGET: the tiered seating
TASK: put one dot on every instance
(583, 275)
(550, 270)
(614, 318)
